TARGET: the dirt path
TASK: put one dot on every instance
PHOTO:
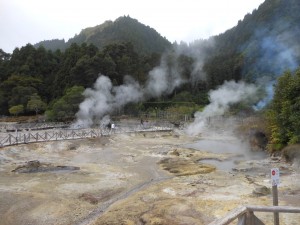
(98, 212)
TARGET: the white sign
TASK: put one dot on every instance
(275, 177)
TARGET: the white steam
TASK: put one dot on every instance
(198, 50)
(162, 80)
(104, 98)
(220, 101)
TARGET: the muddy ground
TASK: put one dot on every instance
(142, 178)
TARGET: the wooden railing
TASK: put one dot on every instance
(24, 137)
(245, 214)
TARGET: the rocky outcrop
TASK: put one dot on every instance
(36, 166)
(258, 140)
(292, 153)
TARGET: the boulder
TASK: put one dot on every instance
(291, 153)
(261, 191)
(258, 140)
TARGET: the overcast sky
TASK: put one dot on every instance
(31, 21)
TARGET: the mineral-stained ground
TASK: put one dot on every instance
(138, 178)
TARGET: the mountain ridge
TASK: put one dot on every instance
(124, 29)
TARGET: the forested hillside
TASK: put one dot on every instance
(264, 43)
(37, 73)
(145, 40)
(284, 112)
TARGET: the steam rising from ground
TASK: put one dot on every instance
(273, 54)
(104, 98)
(198, 50)
(220, 101)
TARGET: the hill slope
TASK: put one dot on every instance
(265, 43)
(124, 29)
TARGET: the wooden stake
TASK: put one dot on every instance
(275, 203)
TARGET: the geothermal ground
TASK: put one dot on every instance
(138, 178)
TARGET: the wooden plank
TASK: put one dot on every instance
(231, 216)
(275, 203)
(41, 136)
(51, 136)
(31, 135)
(279, 209)
(238, 213)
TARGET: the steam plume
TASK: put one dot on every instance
(274, 53)
(104, 98)
(220, 101)
(198, 50)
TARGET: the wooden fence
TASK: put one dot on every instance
(25, 136)
(245, 214)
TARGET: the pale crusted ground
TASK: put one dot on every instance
(146, 178)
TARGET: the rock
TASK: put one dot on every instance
(34, 163)
(174, 152)
(241, 169)
(36, 166)
(89, 198)
(292, 153)
(29, 167)
(261, 191)
(258, 140)
(250, 179)
(275, 158)
(72, 147)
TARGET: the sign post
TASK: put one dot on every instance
(275, 182)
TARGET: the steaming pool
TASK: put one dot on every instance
(234, 150)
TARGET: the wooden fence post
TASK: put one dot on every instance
(275, 181)
(275, 203)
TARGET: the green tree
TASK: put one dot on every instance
(65, 108)
(36, 104)
(16, 110)
(284, 114)
(20, 95)
(3, 104)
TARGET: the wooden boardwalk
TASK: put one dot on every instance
(25, 136)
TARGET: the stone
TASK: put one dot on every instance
(261, 191)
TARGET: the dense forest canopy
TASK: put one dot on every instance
(51, 75)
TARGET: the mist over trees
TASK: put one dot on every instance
(52, 75)
(44, 77)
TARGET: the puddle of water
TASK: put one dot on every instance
(240, 152)
(220, 146)
(225, 165)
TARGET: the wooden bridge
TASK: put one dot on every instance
(26, 135)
